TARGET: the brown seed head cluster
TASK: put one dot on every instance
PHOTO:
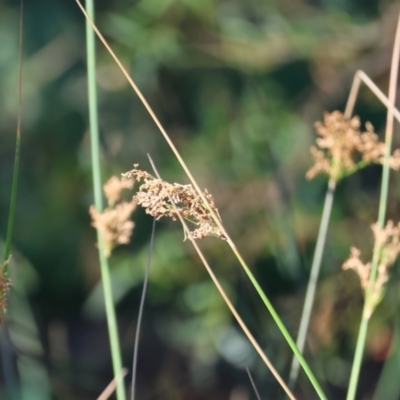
(5, 284)
(113, 188)
(386, 249)
(156, 195)
(114, 222)
(342, 148)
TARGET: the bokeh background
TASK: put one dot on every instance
(238, 85)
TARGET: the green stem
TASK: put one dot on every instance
(281, 326)
(312, 283)
(368, 309)
(95, 151)
(14, 186)
(355, 370)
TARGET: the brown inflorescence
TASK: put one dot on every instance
(159, 197)
(114, 221)
(386, 250)
(5, 284)
(113, 188)
(342, 148)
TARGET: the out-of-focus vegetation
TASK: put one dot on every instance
(238, 85)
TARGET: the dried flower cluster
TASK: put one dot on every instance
(5, 284)
(386, 250)
(342, 147)
(113, 188)
(156, 195)
(114, 222)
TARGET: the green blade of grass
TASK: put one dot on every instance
(355, 372)
(98, 200)
(13, 200)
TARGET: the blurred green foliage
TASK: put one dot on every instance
(238, 85)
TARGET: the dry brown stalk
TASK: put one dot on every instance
(155, 196)
(114, 221)
(386, 249)
(110, 389)
(342, 148)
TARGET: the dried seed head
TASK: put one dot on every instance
(155, 195)
(342, 147)
(113, 188)
(354, 263)
(386, 249)
(5, 284)
(114, 222)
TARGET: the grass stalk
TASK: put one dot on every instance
(141, 307)
(225, 296)
(98, 200)
(13, 199)
(355, 372)
(312, 283)
(258, 288)
(253, 384)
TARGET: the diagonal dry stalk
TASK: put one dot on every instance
(250, 275)
(110, 389)
(225, 296)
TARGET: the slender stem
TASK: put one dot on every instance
(95, 151)
(355, 372)
(312, 283)
(358, 355)
(253, 384)
(275, 316)
(141, 306)
(226, 298)
(13, 199)
(281, 326)
(362, 76)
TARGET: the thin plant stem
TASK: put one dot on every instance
(110, 389)
(366, 315)
(98, 200)
(361, 76)
(10, 375)
(253, 384)
(312, 283)
(14, 186)
(225, 296)
(141, 307)
(250, 275)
